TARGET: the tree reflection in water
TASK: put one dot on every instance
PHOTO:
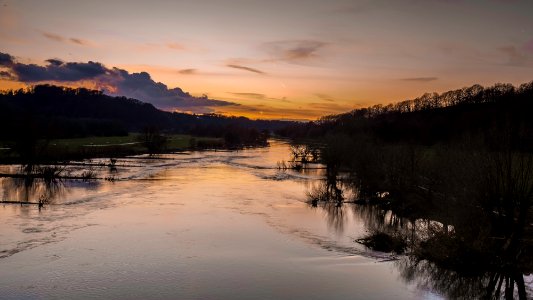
(32, 190)
(460, 251)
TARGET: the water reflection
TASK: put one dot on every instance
(197, 208)
(505, 283)
(43, 185)
(335, 215)
(32, 190)
(460, 251)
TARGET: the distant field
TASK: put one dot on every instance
(99, 140)
(107, 146)
(175, 141)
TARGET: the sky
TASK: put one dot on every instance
(266, 59)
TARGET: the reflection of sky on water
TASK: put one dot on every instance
(196, 225)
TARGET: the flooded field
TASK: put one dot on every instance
(198, 225)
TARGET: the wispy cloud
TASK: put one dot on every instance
(188, 71)
(528, 46)
(420, 79)
(53, 37)
(330, 107)
(324, 97)
(58, 38)
(303, 113)
(234, 66)
(176, 46)
(294, 50)
(257, 96)
(250, 95)
(77, 41)
(515, 57)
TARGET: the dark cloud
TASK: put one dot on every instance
(245, 68)
(141, 86)
(6, 59)
(6, 75)
(294, 51)
(420, 79)
(55, 62)
(57, 71)
(115, 81)
(187, 71)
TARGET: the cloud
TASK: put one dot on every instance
(324, 97)
(528, 46)
(141, 86)
(257, 96)
(77, 41)
(6, 59)
(294, 51)
(245, 68)
(514, 56)
(6, 75)
(250, 95)
(58, 71)
(329, 107)
(53, 37)
(188, 71)
(176, 46)
(302, 113)
(58, 38)
(55, 62)
(420, 79)
(113, 81)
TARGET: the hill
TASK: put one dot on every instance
(59, 112)
(475, 112)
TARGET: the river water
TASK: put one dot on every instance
(195, 225)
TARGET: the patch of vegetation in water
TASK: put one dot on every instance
(384, 242)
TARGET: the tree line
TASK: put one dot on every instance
(449, 175)
(432, 118)
(61, 112)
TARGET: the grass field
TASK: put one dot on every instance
(175, 141)
(61, 149)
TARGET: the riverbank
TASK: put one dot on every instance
(58, 150)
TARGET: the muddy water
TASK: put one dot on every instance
(200, 225)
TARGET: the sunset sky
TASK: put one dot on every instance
(266, 59)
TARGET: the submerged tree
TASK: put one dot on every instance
(153, 140)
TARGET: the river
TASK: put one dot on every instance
(194, 225)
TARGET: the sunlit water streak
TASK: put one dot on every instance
(200, 225)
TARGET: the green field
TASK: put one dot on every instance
(175, 141)
(75, 148)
